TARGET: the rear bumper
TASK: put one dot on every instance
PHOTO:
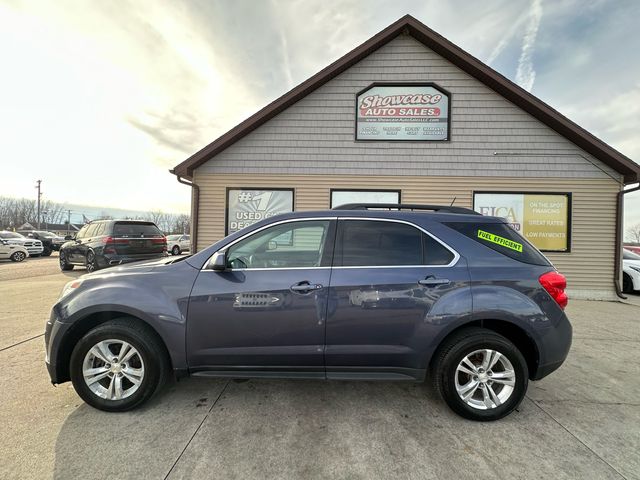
(113, 259)
(555, 344)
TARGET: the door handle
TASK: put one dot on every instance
(305, 287)
(431, 281)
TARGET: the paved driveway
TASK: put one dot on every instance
(581, 422)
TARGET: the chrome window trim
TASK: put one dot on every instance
(453, 262)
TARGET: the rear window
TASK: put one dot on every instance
(135, 229)
(501, 238)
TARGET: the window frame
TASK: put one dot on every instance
(326, 259)
(364, 190)
(453, 262)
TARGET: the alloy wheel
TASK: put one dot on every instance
(91, 262)
(485, 379)
(113, 369)
(19, 256)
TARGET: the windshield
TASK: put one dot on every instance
(173, 237)
(11, 235)
(46, 234)
(627, 255)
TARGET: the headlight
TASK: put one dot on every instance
(69, 287)
(637, 269)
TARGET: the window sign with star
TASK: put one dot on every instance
(246, 206)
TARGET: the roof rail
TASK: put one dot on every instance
(406, 206)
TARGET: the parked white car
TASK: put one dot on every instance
(33, 246)
(630, 271)
(176, 244)
(13, 252)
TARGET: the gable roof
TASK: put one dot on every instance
(463, 60)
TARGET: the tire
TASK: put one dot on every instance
(473, 344)
(64, 266)
(150, 357)
(175, 250)
(46, 252)
(91, 263)
(18, 256)
(627, 283)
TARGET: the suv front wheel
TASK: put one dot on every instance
(118, 365)
(480, 374)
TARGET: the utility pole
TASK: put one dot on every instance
(39, 195)
(68, 222)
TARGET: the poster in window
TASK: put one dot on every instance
(248, 206)
(410, 112)
(542, 218)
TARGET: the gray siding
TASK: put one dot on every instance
(316, 135)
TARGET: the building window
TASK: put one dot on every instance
(342, 197)
(543, 218)
(246, 206)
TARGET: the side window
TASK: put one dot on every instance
(91, 230)
(377, 243)
(82, 233)
(99, 229)
(288, 245)
(435, 253)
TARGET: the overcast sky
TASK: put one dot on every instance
(100, 99)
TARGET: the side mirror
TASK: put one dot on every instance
(218, 262)
(30, 235)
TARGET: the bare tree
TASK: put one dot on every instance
(633, 233)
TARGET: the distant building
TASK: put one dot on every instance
(61, 229)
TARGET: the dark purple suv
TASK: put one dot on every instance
(363, 292)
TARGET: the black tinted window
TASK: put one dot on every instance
(373, 243)
(135, 229)
(501, 238)
(435, 253)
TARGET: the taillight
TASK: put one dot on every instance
(555, 283)
(109, 245)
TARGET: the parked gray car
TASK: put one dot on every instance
(354, 293)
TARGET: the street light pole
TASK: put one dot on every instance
(39, 195)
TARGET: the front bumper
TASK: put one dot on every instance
(53, 333)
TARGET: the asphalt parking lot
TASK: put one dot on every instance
(581, 422)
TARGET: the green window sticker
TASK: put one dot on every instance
(498, 240)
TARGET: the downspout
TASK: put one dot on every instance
(619, 236)
(194, 210)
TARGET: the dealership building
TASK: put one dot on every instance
(410, 117)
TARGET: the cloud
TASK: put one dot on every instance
(525, 74)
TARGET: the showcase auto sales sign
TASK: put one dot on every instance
(402, 112)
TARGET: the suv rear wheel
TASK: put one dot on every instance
(92, 265)
(481, 375)
(118, 365)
